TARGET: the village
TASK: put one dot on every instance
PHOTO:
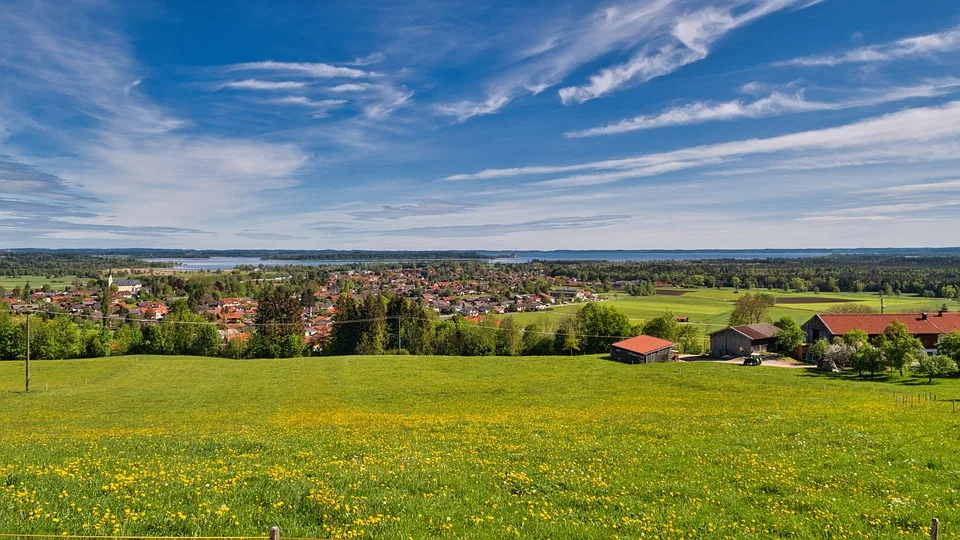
(118, 300)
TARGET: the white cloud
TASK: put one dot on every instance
(689, 41)
(465, 110)
(349, 87)
(255, 84)
(663, 35)
(138, 171)
(369, 60)
(906, 48)
(880, 134)
(320, 108)
(944, 186)
(317, 70)
(776, 104)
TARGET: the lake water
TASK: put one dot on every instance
(229, 263)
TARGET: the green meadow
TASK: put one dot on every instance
(533, 447)
(8, 282)
(711, 308)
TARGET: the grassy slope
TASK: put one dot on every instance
(479, 447)
(712, 307)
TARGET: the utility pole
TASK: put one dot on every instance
(399, 333)
(28, 353)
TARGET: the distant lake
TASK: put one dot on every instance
(654, 255)
(229, 263)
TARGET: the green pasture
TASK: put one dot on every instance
(711, 308)
(415, 447)
(8, 282)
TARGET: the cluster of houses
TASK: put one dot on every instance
(760, 338)
(235, 316)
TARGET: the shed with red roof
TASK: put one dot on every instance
(642, 350)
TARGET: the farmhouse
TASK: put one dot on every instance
(741, 340)
(642, 350)
(928, 327)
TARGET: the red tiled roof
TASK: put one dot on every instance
(875, 324)
(643, 344)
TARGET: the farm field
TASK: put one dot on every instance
(398, 447)
(9, 282)
(711, 308)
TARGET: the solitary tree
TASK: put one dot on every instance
(900, 348)
(752, 308)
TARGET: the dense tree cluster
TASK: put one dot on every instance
(62, 336)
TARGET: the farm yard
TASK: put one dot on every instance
(398, 447)
(711, 308)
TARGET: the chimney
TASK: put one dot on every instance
(923, 316)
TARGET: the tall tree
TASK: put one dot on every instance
(345, 336)
(900, 348)
(508, 338)
(373, 337)
(279, 324)
(600, 326)
(663, 327)
(752, 308)
(791, 336)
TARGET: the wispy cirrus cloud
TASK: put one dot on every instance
(883, 135)
(465, 110)
(349, 87)
(689, 40)
(661, 35)
(321, 107)
(317, 70)
(369, 60)
(121, 148)
(256, 84)
(488, 229)
(880, 212)
(427, 207)
(942, 186)
(907, 48)
(776, 104)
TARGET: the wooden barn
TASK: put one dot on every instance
(642, 350)
(743, 340)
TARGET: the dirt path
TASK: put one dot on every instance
(790, 364)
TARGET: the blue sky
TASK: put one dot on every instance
(480, 125)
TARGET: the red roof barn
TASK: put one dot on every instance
(642, 350)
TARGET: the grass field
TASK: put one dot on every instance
(711, 308)
(399, 447)
(9, 283)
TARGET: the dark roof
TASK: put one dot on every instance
(754, 331)
(126, 282)
(643, 344)
(875, 323)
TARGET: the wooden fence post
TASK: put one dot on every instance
(274, 533)
(935, 529)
